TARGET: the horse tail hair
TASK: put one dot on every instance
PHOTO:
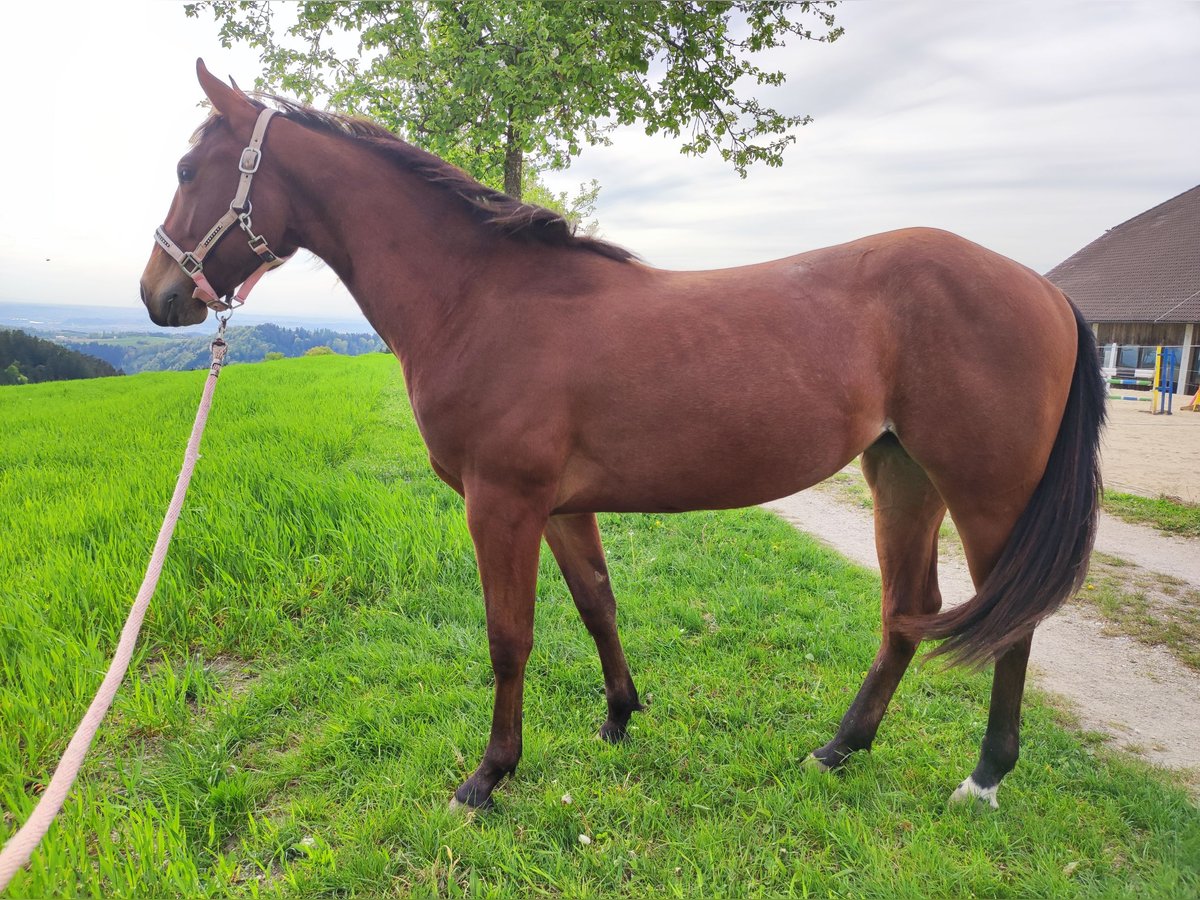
(1045, 560)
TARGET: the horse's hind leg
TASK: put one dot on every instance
(908, 513)
(1001, 742)
(575, 542)
(984, 531)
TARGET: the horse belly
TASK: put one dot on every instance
(712, 458)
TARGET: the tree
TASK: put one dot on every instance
(25, 359)
(576, 210)
(319, 350)
(12, 375)
(501, 86)
(271, 355)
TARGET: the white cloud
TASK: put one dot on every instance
(1027, 126)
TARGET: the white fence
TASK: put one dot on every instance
(1130, 367)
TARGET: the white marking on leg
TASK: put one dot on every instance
(812, 762)
(969, 790)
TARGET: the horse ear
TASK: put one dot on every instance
(229, 102)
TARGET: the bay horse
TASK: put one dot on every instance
(554, 376)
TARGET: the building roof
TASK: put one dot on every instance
(1143, 270)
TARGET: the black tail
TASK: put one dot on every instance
(1046, 558)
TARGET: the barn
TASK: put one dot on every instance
(1138, 285)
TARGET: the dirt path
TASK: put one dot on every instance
(1152, 455)
(1145, 547)
(1140, 696)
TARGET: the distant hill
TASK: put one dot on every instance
(163, 351)
(28, 359)
(52, 319)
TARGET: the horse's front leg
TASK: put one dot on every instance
(506, 527)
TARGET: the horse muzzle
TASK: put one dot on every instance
(168, 294)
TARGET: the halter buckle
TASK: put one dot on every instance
(258, 244)
(224, 305)
(248, 164)
(190, 265)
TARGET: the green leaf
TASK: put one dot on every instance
(461, 79)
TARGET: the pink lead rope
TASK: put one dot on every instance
(20, 847)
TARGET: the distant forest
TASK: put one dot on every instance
(25, 359)
(247, 343)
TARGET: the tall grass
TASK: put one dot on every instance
(313, 683)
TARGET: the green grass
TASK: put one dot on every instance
(132, 340)
(849, 488)
(1169, 515)
(1155, 609)
(313, 683)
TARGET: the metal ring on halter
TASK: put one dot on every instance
(226, 304)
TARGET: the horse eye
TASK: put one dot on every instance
(186, 174)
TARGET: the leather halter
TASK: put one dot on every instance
(239, 212)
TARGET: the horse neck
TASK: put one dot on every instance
(408, 251)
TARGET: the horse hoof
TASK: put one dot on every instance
(612, 733)
(970, 792)
(829, 758)
(465, 807)
(811, 762)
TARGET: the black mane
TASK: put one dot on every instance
(493, 208)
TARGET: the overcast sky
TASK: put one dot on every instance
(1030, 127)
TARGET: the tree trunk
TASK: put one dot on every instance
(514, 161)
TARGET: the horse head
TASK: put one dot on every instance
(180, 285)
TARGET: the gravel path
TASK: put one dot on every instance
(1150, 549)
(1140, 696)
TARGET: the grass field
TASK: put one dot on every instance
(1169, 515)
(313, 683)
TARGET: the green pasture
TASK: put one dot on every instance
(1169, 515)
(313, 683)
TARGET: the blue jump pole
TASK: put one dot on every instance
(1168, 380)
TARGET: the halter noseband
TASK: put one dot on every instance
(239, 212)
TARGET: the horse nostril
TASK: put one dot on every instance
(142, 289)
(171, 298)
